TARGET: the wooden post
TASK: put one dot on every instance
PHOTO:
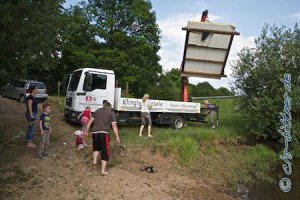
(126, 91)
(58, 89)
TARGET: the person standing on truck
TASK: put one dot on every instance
(211, 113)
(145, 115)
(31, 114)
(102, 118)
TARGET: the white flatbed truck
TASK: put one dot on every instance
(92, 87)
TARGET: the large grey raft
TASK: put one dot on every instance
(206, 49)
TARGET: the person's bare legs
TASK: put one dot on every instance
(149, 131)
(103, 168)
(141, 130)
(95, 156)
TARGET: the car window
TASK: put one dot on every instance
(38, 85)
(20, 84)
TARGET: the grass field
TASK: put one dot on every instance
(221, 155)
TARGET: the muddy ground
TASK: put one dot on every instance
(67, 174)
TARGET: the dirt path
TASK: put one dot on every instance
(67, 174)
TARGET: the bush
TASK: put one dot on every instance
(258, 72)
(184, 149)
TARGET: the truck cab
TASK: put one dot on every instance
(87, 87)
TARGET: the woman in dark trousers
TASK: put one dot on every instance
(31, 114)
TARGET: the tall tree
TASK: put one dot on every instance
(202, 89)
(29, 43)
(168, 87)
(222, 91)
(258, 72)
(80, 47)
(129, 38)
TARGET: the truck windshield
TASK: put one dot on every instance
(75, 80)
(95, 81)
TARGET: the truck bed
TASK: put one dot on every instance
(133, 104)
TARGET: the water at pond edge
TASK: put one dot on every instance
(265, 190)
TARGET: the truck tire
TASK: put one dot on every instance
(22, 98)
(178, 122)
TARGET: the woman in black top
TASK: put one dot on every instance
(31, 114)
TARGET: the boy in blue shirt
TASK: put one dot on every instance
(45, 130)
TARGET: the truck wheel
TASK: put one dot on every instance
(22, 98)
(178, 122)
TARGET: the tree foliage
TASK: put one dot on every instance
(41, 40)
(29, 43)
(258, 72)
(129, 39)
(205, 89)
(80, 48)
(168, 87)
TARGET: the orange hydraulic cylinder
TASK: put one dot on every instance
(185, 95)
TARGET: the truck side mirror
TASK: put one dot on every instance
(88, 82)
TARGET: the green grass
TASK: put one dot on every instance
(185, 149)
(216, 154)
(256, 163)
(57, 102)
(10, 143)
(233, 165)
(11, 175)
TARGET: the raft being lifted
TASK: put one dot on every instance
(206, 49)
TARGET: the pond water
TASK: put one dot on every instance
(265, 191)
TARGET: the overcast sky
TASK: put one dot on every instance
(248, 16)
